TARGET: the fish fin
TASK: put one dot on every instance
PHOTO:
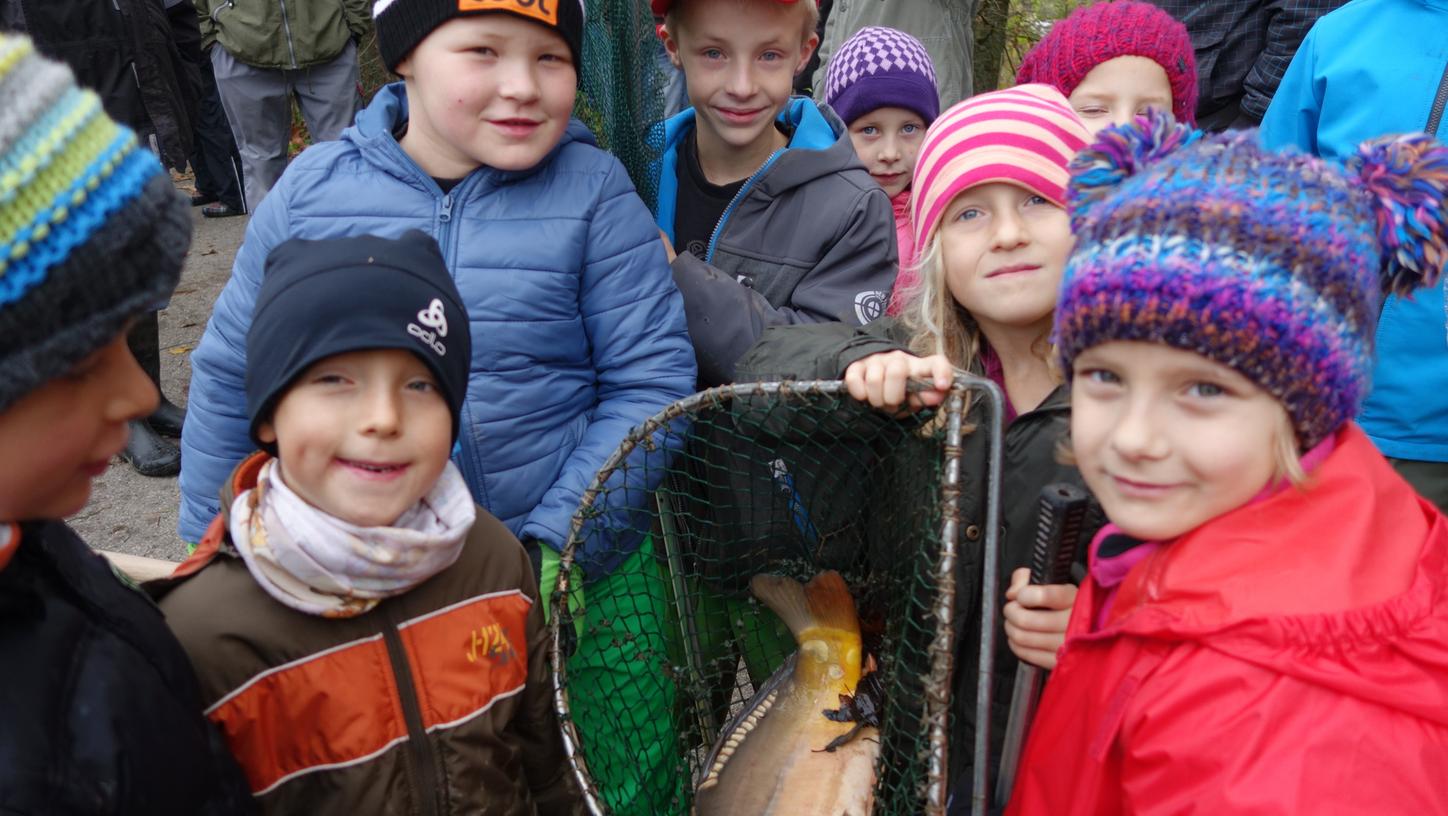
(824, 602)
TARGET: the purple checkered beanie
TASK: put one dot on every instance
(881, 68)
(1272, 264)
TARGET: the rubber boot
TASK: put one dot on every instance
(147, 452)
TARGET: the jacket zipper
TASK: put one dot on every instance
(427, 784)
(287, 29)
(1436, 115)
(739, 196)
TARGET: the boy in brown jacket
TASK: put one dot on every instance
(367, 638)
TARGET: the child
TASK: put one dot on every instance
(366, 638)
(882, 84)
(100, 709)
(580, 332)
(1115, 60)
(774, 219)
(1263, 624)
(1365, 70)
(990, 218)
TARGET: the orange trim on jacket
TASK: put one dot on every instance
(436, 701)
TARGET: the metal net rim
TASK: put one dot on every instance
(942, 656)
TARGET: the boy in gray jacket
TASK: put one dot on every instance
(774, 218)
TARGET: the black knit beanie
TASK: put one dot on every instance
(322, 298)
(92, 232)
(402, 24)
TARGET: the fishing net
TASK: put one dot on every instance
(621, 87)
(657, 638)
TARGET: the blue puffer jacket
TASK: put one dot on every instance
(1371, 68)
(578, 330)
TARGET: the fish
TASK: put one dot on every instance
(783, 754)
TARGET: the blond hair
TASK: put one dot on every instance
(811, 17)
(938, 324)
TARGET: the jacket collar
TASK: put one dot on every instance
(1352, 539)
(215, 541)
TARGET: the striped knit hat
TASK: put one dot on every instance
(1271, 264)
(1024, 135)
(1104, 31)
(92, 232)
(881, 68)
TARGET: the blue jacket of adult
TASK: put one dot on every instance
(578, 330)
(1372, 68)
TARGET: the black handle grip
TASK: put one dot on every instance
(1064, 511)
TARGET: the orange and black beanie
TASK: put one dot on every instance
(402, 24)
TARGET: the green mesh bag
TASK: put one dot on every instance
(654, 653)
(621, 87)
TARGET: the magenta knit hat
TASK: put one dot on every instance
(1024, 135)
(1099, 32)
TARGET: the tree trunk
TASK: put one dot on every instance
(990, 43)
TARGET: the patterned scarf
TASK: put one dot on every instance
(316, 563)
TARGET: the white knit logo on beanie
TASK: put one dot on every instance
(433, 318)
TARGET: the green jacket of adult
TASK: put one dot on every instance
(286, 34)
(1029, 463)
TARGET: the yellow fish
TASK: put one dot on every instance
(771, 759)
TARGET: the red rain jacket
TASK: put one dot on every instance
(1288, 657)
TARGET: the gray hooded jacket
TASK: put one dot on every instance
(809, 238)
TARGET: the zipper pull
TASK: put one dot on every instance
(446, 214)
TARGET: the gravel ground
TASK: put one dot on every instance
(130, 513)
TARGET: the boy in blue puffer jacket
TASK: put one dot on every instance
(578, 329)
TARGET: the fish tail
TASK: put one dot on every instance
(823, 603)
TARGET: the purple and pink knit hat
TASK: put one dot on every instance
(880, 67)
(1104, 31)
(1024, 135)
(1272, 264)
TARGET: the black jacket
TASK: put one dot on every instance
(124, 51)
(1029, 462)
(99, 710)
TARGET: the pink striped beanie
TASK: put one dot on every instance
(1024, 135)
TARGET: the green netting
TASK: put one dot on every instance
(621, 87)
(661, 641)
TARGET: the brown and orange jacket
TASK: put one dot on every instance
(435, 702)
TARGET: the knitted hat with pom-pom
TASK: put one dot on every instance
(1272, 264)
(1100, 32)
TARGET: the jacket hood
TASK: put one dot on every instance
(1341, 585)
(375, 125)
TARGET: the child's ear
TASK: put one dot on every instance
(671, 46)
(266, 432)
(810, 44)
(404, 68)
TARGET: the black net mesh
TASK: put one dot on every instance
(621, 87)
(661, 640)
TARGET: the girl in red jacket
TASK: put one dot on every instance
(1265, 624)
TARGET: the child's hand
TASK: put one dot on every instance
(1036, 618)
(668, 245)
(880, 380)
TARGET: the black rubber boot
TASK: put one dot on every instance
(147, 452)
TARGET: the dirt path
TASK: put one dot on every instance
(128, 512)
